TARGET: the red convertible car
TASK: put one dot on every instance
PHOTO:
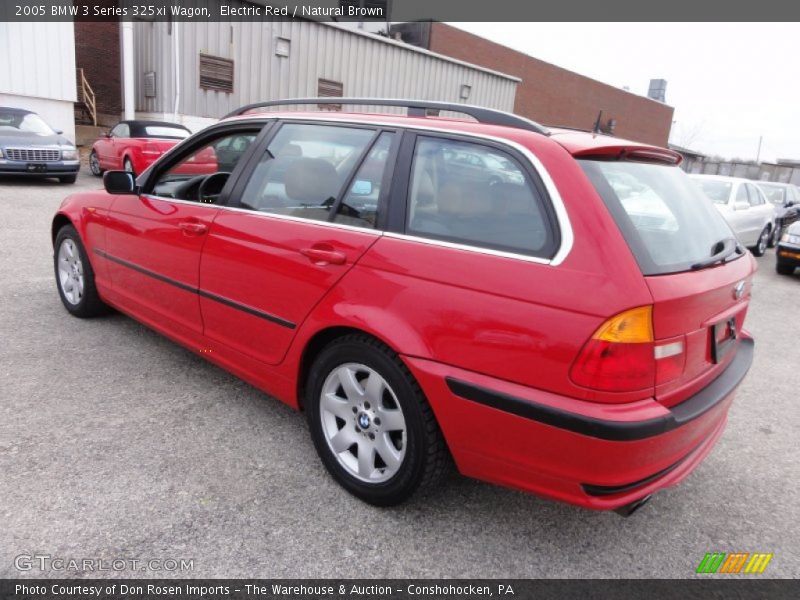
(134, 145)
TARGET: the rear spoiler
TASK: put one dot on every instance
(651, 154)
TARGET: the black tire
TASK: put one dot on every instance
(426, 458)
(94, 164)
(127, 165)
(775, 237)
(784, 269)
(68, 178)
(763, 241)
(89, 304)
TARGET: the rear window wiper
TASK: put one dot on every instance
(719, 253)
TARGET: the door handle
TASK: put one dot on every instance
(192, 227)
(322, 256)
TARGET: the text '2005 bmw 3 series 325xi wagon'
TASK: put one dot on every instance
(556, 311)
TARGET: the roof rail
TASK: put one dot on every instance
(416, 108)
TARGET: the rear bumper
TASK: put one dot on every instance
(594, 455)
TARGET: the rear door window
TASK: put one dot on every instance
(476, 195)
(756, 199)
(668, 222)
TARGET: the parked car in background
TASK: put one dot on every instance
(785, 197)
(744, 207)
(134, 145)
(29, 146)
(788, 252)
(574, 329)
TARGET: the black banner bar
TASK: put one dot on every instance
(399, 10)
(730, 588)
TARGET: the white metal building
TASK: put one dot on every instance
(37, 71)
(196, 72)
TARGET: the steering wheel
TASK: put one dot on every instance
(211, 187)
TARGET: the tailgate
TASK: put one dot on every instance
(705, 311)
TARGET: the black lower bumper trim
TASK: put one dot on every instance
(609, 490)
(686, 411)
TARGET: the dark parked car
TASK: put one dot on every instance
(786, 198)
(29, 146)
(788, 252)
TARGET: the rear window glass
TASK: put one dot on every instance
(667, 221)
(160, 131)
(718, 191)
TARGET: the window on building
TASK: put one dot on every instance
(327, 88)
(216, 73)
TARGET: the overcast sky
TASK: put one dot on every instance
(729, 83)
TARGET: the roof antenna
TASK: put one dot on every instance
(597, 126)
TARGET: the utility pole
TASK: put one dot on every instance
(758, 154)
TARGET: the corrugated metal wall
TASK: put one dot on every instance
(367, 66)
(39, 60)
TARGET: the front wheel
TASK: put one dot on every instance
(371, 424)
(127, 165)
(74, 276)
(761, 246)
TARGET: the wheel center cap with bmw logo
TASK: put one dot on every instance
(363, 421)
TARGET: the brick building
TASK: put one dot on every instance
(97, 52)
(547, 93)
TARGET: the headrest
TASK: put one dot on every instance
(463, 200)
(310, 180)
(291, 150)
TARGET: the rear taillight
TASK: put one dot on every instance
(619, 356)
(623, 356)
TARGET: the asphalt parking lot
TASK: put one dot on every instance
(117, 443)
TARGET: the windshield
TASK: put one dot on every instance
(718, 191)
(27, 122)
(774, 193)
(668, 223)
(162, 131)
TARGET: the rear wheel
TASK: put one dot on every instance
(761, 246)
(784, 269)
(94, 164)
(74, 276)
(371, 424)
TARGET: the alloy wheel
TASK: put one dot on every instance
(363, 423)
(70, 272)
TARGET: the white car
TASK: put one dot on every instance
(744, 206)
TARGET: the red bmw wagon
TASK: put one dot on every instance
(552, 310)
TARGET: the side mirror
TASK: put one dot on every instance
(119, 182)
(107, 134)
(741, 205)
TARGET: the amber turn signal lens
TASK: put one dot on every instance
(633, 326)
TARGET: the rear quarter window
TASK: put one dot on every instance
(477, 195)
